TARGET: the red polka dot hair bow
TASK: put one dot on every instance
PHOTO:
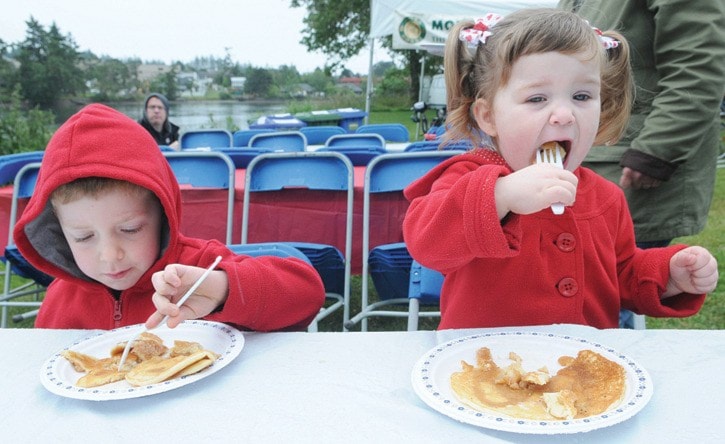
(478, 33)
(607, 42)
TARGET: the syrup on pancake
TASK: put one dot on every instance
(586, 385)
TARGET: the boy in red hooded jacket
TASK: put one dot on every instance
(104, 220)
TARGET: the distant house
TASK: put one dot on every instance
(148, 72)
(237, 86)
(301, 91)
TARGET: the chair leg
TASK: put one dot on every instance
(413, 309)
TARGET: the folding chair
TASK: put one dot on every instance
(389, 265)
(423, 145)
(279, 141)
(318, 135)
(207, 169)
(299, 174)
(206, 138)
(242, 137)
(23, 188)
(391, 132)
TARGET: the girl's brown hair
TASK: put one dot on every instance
(477, 73)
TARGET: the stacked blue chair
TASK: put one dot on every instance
(318, 135)
(279, 141)
(17, 265)
(389, 267)
(206, 138)
(242, 137)
(391, 132)
(304, 171)
(390, 173)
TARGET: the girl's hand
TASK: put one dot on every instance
(171, 284)
(692, 270)
(534, 188)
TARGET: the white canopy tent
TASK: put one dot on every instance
(424, 24)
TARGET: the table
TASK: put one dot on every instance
(347, 387)
(204, 216)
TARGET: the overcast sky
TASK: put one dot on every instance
(264, 33)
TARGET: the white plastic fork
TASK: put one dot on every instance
(166, 318)
(552, 156)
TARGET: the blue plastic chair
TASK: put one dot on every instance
(389, 265)
(326, 171)
(391, 132)
(10, 164)
(356, 141)
(206, 138)
(241, 156)
(277, 249)
(359, 156)
(242, 137)
(423, 145)
(23, 188)
(279, 141)
(318, 135)
(207, 169)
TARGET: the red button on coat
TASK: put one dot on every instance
(568, 287)
(566, 242)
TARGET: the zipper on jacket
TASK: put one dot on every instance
(117, 315)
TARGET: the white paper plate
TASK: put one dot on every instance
(431, 379)
(59, 376)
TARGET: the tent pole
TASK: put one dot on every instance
(369, 92)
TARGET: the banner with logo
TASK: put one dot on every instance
(422, 24)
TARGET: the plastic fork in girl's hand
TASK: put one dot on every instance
(552, 153)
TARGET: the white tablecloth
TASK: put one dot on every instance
(346, 387)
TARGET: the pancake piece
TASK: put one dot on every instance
(587, 385)
(158, 369)
(148, 362)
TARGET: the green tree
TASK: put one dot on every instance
(110, 79)
(259, 82)
(342, 29)
(166, 85)
(22, 130)
(48, 66)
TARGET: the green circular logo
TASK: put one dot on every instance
(411, 30)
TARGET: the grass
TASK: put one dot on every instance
(711, 316)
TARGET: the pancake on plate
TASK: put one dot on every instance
(149, 361)
(585, 386)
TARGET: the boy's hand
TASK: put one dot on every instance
(171, 284)
(534, 188)
(692, 270)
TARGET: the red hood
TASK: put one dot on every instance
(102, 142)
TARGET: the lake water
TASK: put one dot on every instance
(193, 115)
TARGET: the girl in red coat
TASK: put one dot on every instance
(104, 220)
(483, 218)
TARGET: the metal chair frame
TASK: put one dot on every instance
(23, 188)
(314, 171)
(391, 172)
(212, 169)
